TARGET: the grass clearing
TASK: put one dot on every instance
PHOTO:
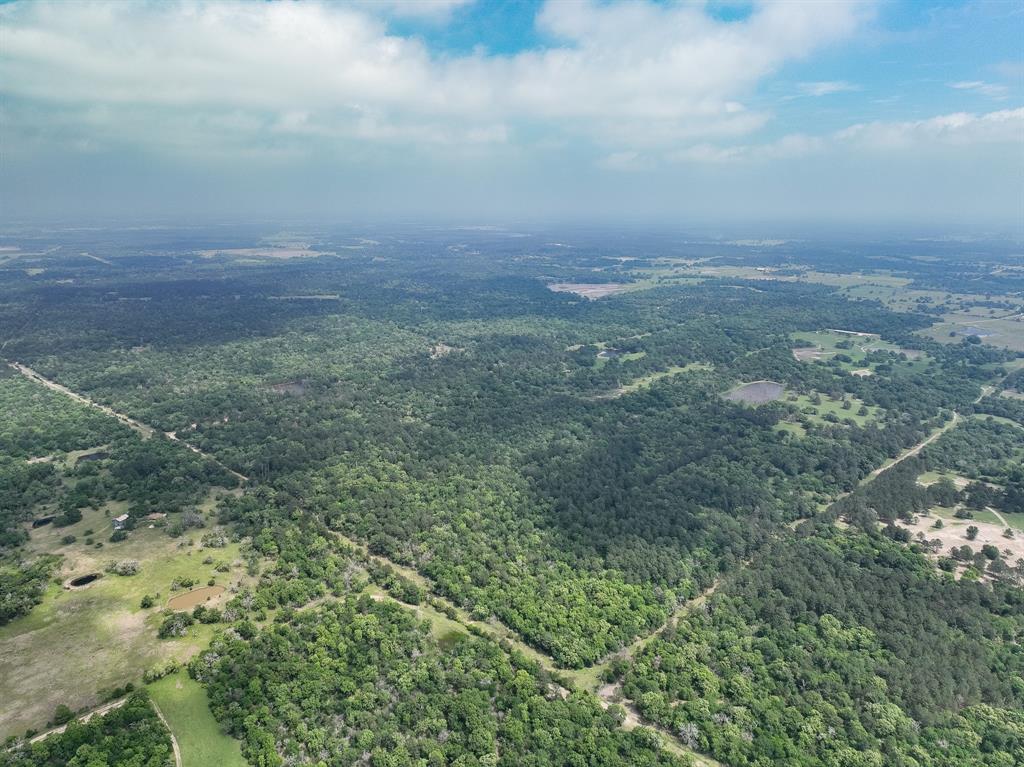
(820, 411)
(827, 344)
(78, 642)
(647, 380)
(184, 704)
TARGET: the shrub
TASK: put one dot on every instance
(175, 625)
(62, 715)
(124, 567)
(69, 517)
(160, 671)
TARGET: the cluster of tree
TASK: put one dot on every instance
(363, 682)
(841, 648)
(131, 735)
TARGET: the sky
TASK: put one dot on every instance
(855, 113)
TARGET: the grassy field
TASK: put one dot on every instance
(647, 380)
(184, 705)
(78, 642)
(1016, 521)
(1006, 332)
(815, 413)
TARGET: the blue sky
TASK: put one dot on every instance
(873, 112)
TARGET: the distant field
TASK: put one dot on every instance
(1007, 332)
(589, 290)
(826, 406)
(645, 381)
(826, 344)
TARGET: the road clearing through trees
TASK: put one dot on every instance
(144, 430)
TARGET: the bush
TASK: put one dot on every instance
(124, 567)
(182, 582)
(69, 517)
(160, 671)
(118, 536)
(206, 614)
(147, 602)
(175, 625)
(62, 715)
(67, 540)
(215, 540)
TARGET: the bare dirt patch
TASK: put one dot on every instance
(269, 252)
(953, 534)
(810, 353)
(294, 388)
(591, 290)
(439, 350)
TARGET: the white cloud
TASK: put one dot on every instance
(626, 75)
(959, 129)
(1005, 126)
(827, 87)
(991, 90)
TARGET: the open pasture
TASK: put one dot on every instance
(821, 409)
(826, 344)
(186, 709)
(80, 641)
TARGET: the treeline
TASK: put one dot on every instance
(131, 735)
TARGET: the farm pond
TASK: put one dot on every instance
(194, 597)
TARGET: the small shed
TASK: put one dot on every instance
(120, 522)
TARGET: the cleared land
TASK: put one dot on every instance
(822, 409)
(591, 290)
(756, 392)
(184, 707)
(80, 641)
(269, 252)
(953, 533)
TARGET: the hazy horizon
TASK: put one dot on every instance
(889, 115)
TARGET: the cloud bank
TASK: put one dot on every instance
(325, 105)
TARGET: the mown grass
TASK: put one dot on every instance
(184, 704)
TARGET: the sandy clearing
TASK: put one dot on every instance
(590, 290)
(953, 534)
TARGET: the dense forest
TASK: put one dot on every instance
(362, 682)
(842, 648)
(413, 426)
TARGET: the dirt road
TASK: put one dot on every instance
(99, 711)
(174, 740)
(143, 429)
